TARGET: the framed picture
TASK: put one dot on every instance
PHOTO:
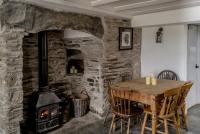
(125, 38)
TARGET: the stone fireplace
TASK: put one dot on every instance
(95, 58)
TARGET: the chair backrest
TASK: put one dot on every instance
(183, 92)
(121, 101)
(109, 91)
(167, 74)
(169, 105)
(108, 83)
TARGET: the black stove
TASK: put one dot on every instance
(45, 111)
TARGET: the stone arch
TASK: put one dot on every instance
(32, 19)
(92, 51)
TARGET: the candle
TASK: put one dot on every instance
(148, 80)
(75, 71)
(71, 71)
(154, 81)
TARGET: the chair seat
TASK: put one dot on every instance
(134, 111)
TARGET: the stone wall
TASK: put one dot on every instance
(17, 19)
(30, 69)
(32, 19)
(91, 81)
(11, 95)
(118, 62)
(57, 57)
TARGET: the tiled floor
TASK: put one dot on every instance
(90, 124)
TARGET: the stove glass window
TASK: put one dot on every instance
(54, 111)
(44, 114)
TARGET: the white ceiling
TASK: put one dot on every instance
(121, 8)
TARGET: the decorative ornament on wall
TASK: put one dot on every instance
(159, 35)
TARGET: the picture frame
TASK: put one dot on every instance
(125, 38)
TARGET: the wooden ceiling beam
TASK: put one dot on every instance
(164, 7)
(96, 3)
(141, 4)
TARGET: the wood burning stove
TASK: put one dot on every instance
(48, 118)
(47, 114)
(46, 111)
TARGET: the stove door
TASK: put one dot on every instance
(48, 118)
(43, 114)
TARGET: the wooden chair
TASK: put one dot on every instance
(108, 83)
(181, 103)
(167, 110)
(108, 98)
(167, 74)
(122, 108)
(126, 77)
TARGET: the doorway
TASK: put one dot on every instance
(193, 70)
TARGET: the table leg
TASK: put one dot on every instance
(154, 117)
(154, 123)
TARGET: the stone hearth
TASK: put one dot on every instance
(19, 25)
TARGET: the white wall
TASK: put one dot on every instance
(171, 54)
(179, 16)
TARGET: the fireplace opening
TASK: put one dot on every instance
(44, 108)
(60, 55)
(75, 63)
(48, 118)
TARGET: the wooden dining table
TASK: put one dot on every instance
(148, 94)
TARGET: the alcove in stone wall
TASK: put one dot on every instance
(75, 62)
